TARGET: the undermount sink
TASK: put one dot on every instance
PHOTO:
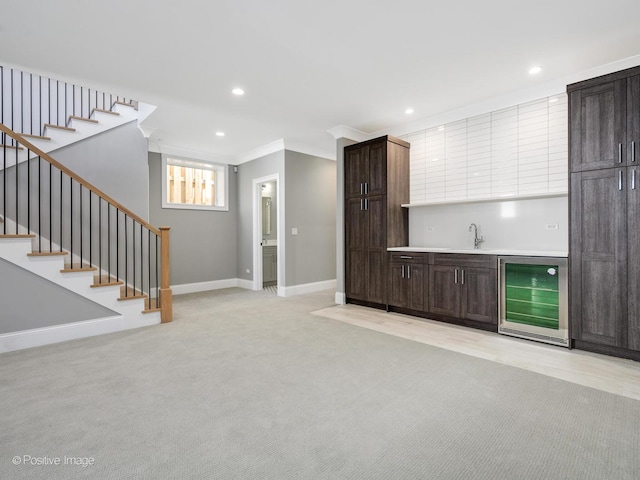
(270, 243)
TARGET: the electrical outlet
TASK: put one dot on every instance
(552, 226)
(430, 229)
(248, 270)
(294, 231)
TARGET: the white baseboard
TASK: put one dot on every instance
(61, 333)
(341, 298)
(246, 284)
(203, 286)
(306, 288)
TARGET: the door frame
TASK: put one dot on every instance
(257, 231)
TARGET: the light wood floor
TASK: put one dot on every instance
(610, 374)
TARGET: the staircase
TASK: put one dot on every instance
(52, 114)
(58, 226)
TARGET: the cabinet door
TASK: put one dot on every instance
(633, 121)
(417, 287)
(444, 290)
(355, 171)
(633, 250)
(598, 254)
(357, 259)
(479, 295)
(597, 126)
(377, 169)
(398, 288)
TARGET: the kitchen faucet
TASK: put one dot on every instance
(476, 240)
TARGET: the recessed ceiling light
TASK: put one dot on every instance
(441, 128)
(535, 70)
(237, 91)
(219, 134)
(553, 100)
(409, 111)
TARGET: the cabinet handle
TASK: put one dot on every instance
(361, 204)
(455, 276)
(633, 179)
(366, 188)
(619, 153)
(408, 271)
(462, 282)
(620, 180)
(361, 188)
(406, 257)
(633, 151)
(366, 204)
(402, 271)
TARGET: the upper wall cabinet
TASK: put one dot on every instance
(517, 151)
(605, 125)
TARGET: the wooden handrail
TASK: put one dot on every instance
(20, 139)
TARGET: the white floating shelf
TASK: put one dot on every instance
(490, 199)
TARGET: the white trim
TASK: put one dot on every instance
(221, 187)
(267, 149)
(62, 333)
(246, 284)
(341, 298)
(345, 131)
(307, 288)
(185, 288)
(257, 229)
(312, 152)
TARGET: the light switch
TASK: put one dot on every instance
(294, 231)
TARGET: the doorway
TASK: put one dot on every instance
(268, 240)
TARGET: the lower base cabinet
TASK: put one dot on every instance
(458, 288)
(464, 287)
(408, 281)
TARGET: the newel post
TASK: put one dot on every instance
(166, 300)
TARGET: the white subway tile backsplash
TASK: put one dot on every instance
(514, 151)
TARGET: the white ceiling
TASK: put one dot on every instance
(309, 66)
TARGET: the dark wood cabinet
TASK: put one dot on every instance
(408, 281)
(376, 184)
(604, 213)
(464, 287)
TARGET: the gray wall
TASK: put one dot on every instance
(30, 301)
(203, 243)
(114, 161)
(247, 172)
(310, 195)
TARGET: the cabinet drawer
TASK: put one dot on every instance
(407, 257)
(466, 260)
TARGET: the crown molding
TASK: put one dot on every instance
(267, 149)
(345, 131)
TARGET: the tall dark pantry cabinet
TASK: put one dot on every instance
(376, 184)
(604, 151)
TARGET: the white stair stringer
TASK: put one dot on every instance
(129, 312)
(61, 138)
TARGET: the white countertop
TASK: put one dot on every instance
(483, 251)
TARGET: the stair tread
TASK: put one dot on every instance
(11, 146)
(105, 281)
(17, 235)
(130, 294)
(151, 310)
(104, 111)
(60, 127)
(46, 254)
(39, 137)
(118, 102)
(78, 267)
(83, 119)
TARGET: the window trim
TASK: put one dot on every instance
(219, 168)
